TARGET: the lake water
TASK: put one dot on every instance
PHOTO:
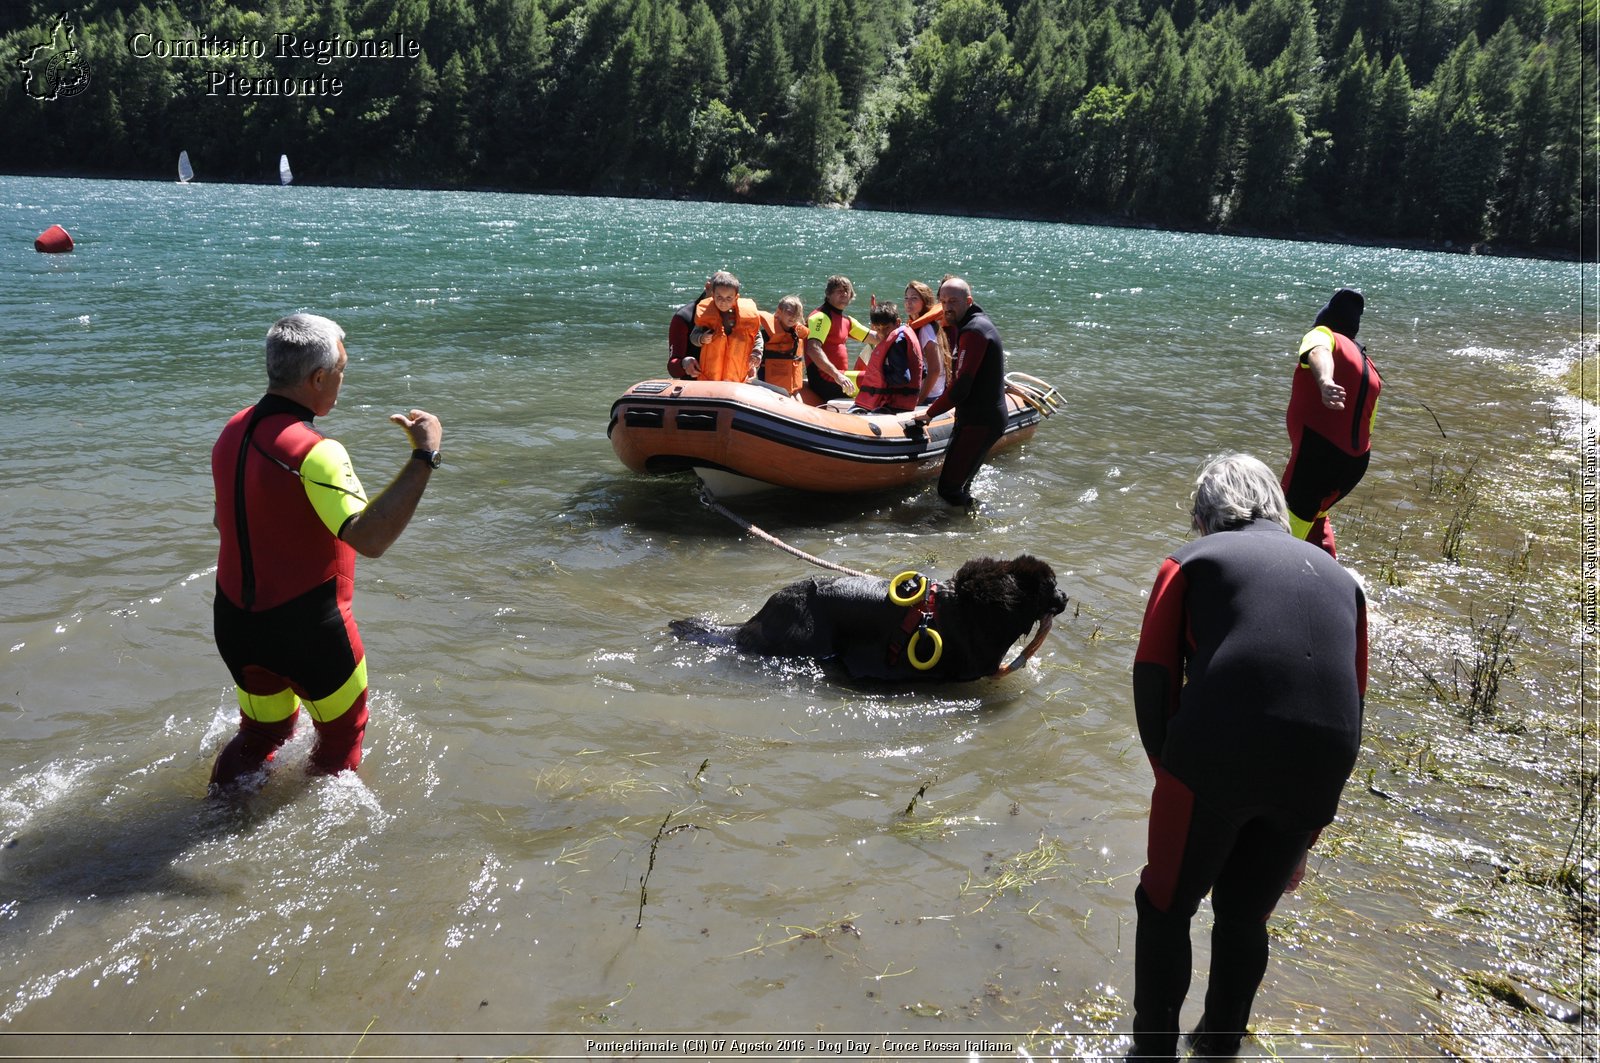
(954, 863)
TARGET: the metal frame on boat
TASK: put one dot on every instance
(741, 439)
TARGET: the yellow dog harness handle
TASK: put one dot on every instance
(916, 581)
(932, 658)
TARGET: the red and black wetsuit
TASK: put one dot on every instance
(678, 345)
(978, 394)
(1248, 686)
(1330, 448)
(285, 582)
(833, 330)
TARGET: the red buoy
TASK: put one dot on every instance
(53, 241)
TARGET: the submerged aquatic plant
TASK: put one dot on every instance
(1479, 663)
(1582, 378)
(832, 927)
(1016, 873)
(912, 805)
(1493, 640)
(1458, 487)
(1389, 567)
(1455, 528)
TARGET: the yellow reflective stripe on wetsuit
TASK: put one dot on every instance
(821, 326)
(1321, 336)
(331, 484)
(1300, 527)
(271, 708)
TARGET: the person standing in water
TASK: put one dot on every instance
(292, 516)
(1248, 689)
(679, 326)
(977, 391)
(1332, 402)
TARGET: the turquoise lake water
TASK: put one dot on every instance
(535, 727)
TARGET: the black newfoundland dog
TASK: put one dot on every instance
(915, 629)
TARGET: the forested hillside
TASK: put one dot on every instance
(1460, 120)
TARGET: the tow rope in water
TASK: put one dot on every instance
(710, 502)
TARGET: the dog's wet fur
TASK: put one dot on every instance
(982, 611)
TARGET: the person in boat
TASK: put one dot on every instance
(977, 392)
(828, 348)
(1248, 689)
(726, 334)
(678, 329)
(919, 301)
(892, 379)
(1333, 399)
(783, 337)
(292, 516)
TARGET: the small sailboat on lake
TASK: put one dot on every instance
(285, 175)
(185, 171)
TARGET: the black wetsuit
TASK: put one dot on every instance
(978, 394)
(1248, 685)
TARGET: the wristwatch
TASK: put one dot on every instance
(430, 456)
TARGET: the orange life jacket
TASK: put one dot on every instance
(726, 356)
(784, 359)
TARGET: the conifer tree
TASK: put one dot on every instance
(1444, 119)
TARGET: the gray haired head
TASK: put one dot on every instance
(1234, 489)
(299, 345)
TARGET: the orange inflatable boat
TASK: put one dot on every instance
(741, 439)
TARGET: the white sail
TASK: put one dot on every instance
(185, 171)
(285, 175)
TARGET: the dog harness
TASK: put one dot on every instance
(919, 595)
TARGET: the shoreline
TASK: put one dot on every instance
(1070, 217)
(1437, 740)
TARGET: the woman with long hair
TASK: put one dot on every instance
(935, 348)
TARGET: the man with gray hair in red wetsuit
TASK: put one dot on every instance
(1248, 686)
(292, 516)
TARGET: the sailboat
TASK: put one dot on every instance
(185, 171)
(285, 175)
